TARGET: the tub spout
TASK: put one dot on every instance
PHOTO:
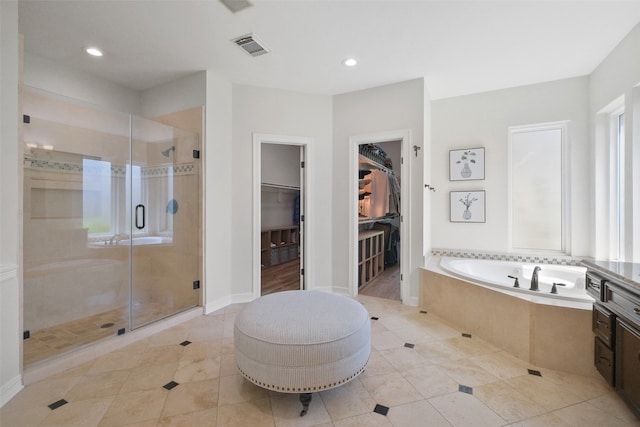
(534, 279)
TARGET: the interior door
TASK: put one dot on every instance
(281, 217)
(163, 231)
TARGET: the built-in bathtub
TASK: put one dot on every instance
(500, 275)
(146, 240)
(545, 330)
(136, 241)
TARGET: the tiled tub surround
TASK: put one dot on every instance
(499, 256)
(545, 334)
(425, 371)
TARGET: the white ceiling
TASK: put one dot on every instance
(458, 47)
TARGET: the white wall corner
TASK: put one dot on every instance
(10, 389)
(220, 303)
(411, 301)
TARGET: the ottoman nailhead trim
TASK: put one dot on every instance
(304, 389)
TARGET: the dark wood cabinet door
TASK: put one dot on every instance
(628, 364)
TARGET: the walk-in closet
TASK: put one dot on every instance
(281, 211)
(379, 220)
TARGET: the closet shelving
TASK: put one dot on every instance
(379, 202)
(278, 187)
(278, 245)
(370, 256)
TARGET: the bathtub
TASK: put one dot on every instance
(136, 241)
(494, 274)
(146, 240)
(540, 328)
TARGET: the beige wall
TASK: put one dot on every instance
(394, 107)
(278, 112)
(618, 75)
(482, 120)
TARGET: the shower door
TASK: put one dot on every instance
(111, 223)
(163, 183)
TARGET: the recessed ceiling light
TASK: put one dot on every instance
(93, 51)
(350, 62)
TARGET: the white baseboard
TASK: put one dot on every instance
(328, 289)
(411, 301)
(10, 389)
(221, 303)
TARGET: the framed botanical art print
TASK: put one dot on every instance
(466, 164)
(467, 206)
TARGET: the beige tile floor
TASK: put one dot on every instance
(420, 385)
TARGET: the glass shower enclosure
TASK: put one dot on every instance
(111, 223)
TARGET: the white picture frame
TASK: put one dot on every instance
(466, 164)
(467, 206)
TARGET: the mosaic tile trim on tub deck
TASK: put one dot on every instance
(540, 259)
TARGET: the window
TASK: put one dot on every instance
(618, 187)
(96, 197)
(537, 183)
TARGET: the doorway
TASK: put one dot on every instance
(380, 207)
(280, 215)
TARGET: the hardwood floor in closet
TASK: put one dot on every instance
(281, 277)
(387, 285)
(286, 277)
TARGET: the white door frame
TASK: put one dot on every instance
(307, 250)
(405, 183)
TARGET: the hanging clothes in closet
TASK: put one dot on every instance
(383, 193)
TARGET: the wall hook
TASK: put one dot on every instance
(416, 148)
(430, 187)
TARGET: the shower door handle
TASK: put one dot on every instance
(139, 209)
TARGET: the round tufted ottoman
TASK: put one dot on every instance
(302, 341)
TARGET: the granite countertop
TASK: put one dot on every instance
(627, 272)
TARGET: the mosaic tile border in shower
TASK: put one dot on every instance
(181, 169)
(548, 259)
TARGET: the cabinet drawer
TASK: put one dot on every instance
(604, 361)
(603, 324)
(623, 303)
(595, 286)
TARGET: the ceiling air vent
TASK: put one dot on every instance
(249, 44)
(236, 5)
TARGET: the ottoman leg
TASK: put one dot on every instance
(305, 399)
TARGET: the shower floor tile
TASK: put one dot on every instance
(56, 340)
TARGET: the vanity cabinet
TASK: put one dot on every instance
(616, 326)
(603, 324)
(628, 363)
